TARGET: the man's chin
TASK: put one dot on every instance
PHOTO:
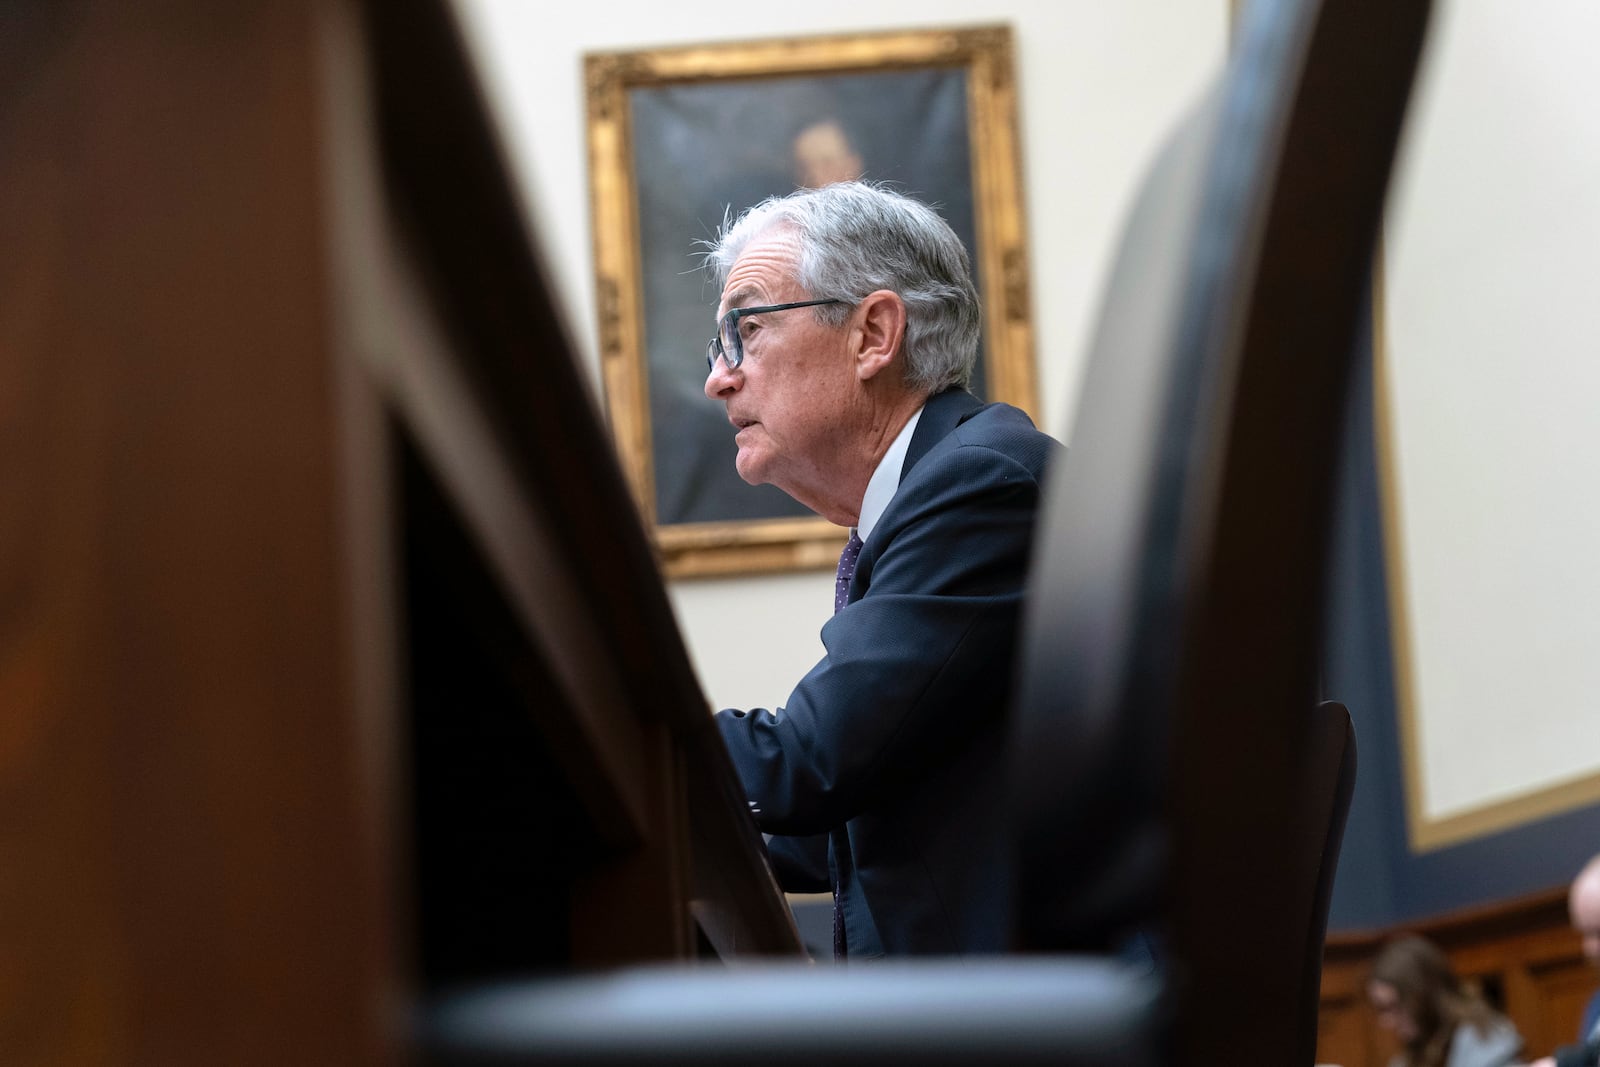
(751, 467)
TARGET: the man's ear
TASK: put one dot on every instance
(880, 332)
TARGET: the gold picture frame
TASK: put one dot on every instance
(679, 135)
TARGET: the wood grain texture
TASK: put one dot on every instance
(186, 877)
(217, 539)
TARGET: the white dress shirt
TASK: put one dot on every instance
(885, 480)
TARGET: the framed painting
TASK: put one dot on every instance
(682, 139)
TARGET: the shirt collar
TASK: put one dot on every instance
(885, 480)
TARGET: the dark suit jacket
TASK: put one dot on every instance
(893, 745)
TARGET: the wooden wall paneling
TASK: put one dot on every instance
(188, 875)
(1538, 969)
(1345, 1035)
(1562, 987)
(1501, 944)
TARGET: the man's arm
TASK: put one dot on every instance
(800, 863)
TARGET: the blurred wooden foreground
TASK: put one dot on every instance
(334, 665)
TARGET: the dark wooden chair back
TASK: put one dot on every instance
(1170, 768)
(1330, 783)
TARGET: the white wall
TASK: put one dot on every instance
(1493, 324)
(1100, 82)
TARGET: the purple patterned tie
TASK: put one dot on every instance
(841, 593)
(847, 571)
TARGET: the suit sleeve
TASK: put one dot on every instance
(911, 665)
(800, 864)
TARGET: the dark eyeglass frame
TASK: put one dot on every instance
(727, 345)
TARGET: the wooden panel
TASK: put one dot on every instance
(1522, 953)
(1347, 1034)
(1343, 1036)
(1563, 988)
(216, 645)
(188, 873)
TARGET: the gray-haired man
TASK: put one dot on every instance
(847, 331)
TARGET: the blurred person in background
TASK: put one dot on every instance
(1437, 1019)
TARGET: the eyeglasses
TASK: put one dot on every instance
(728, 346)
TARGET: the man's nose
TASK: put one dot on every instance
(722, 380)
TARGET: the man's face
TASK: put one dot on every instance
(789, 401)
(1584, 905)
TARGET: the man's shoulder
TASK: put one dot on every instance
(955, 416)
(998, 417)
(964, 449)
(1007, 430)
(994, 448)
